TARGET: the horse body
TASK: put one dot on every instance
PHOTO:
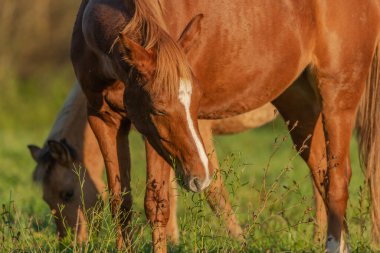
(240, 58)
(238, 32)
(261, 35)
(249, 52)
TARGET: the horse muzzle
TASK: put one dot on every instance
(194, 184)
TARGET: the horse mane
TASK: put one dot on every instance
(148, 28)
(70, 115)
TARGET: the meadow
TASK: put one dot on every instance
(269, 185)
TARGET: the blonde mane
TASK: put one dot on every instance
(148, 28)
(72, 114)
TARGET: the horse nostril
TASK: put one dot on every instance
(195, 185)
(198, 184)
(66, 196)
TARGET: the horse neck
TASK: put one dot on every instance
(71, 121)
(71, 124)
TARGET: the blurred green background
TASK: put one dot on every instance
(35, 70)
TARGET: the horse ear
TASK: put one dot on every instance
(137, 56)
(190, 34)
(59, 151)
(34, 151)
(39, 173)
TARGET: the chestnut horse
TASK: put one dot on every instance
(72, 145)
(132, 70)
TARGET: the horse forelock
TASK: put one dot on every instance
(148, 28)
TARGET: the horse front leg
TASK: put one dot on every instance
(320, 214)
(157, 206)
(172, 230)
(216, 193)
(111, 131)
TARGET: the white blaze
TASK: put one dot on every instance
(185, 90)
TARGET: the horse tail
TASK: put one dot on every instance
(368, 122)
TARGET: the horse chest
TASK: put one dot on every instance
(114, 97)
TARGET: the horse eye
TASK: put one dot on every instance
(66, 195)
(158, 112)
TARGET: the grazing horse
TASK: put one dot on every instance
(72, 145)
(132, 70)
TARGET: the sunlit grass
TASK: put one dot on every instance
(269, 185)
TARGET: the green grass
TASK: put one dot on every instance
(280, 222)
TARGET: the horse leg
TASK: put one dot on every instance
(306, 130)
(216, 193)
(320, 215)
(172, 230)
(157, 206)
(112, 134)
(338, 121)
(338, 126)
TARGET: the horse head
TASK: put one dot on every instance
(162, 98)
(66, 187)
